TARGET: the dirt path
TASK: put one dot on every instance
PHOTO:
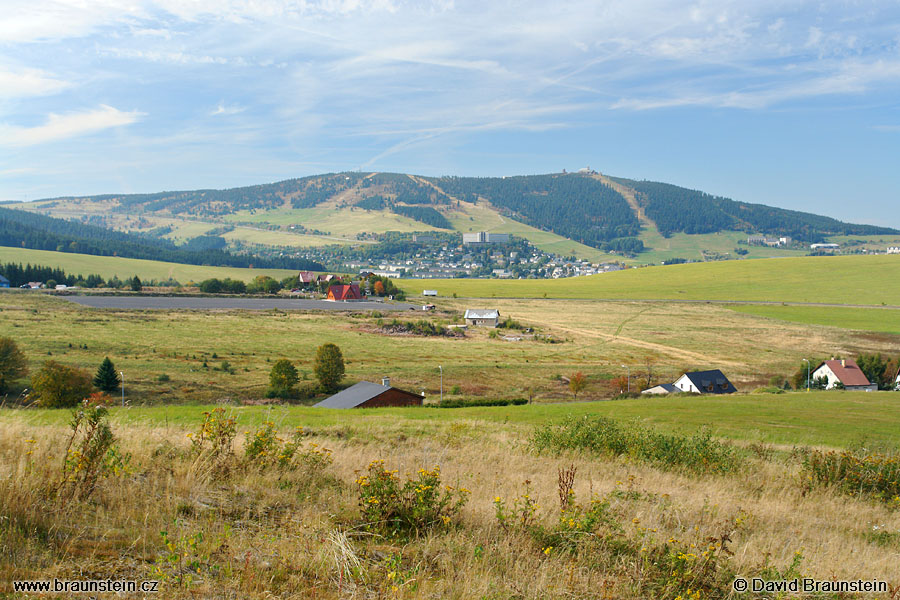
(628, 194)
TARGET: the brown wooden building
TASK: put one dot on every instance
(366, 394)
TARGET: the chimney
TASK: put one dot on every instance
(843, 363)
(386, 381)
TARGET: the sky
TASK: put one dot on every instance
(790, 103)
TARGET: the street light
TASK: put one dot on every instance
(123, 387)
(807, 374)
(628, 376)
(442, 382)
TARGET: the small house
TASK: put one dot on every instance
(482, 317)
(306, 277)
(663, 388)
(846, 372)
(366, 394)
(4, 282)
(705, 382)
(344, 293)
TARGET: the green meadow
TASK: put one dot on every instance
(833, 419)
(863, 319)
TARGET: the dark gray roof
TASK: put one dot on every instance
(354, 395)
(702, 380)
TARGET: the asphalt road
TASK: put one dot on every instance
(201, 303)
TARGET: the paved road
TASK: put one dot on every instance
(201, 303)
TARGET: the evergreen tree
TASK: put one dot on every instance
(136, 284)
(13, 365)
(106, 379)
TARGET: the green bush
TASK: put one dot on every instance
(411, 507)
(481, 402)
(856, 473)
(59, 386)
(601, 435)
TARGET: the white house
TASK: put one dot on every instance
(845, 371)
(485, 318)
(661, 389)
(705, 382)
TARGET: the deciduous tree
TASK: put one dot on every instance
(60, 386)
(329, 366)
(282, 378)
(12, 363)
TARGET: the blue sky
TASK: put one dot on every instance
(789, 103)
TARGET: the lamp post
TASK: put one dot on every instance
(123, 387)
(628, 377)
(442, 382)
(807, 374)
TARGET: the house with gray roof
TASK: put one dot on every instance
(366, 394)
(482, 317)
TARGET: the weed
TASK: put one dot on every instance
(855, 473)
(91, 453)
(408, 507)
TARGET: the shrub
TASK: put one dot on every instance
(602, 435)
(58, 386)
(265, 449)
(282, 379)
(481, 402)
(855, 473)
(91, 452)
(407, 507)
(12, 363)
(215, 435)
(163, 377)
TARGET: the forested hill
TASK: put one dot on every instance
(577, 206)
(676, 209)
(38, 232)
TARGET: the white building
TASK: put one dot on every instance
(484, 318)
(846, 372)
(893, 250)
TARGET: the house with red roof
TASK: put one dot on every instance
(344, 293)
(846, 372)
(306, 277)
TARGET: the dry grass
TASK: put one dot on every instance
(246, 533)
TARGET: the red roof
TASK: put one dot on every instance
(306, 277)
(848, 372)
(344, 292)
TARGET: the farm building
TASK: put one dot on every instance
(344, 293)
(482, 317)
(705, 382)
(846, 372)
(663, 388)
(4, 282)
(366, 394)
(429, 292)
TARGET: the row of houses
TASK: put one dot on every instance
(836, 373)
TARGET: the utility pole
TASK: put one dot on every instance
(123, 387)
(807, 373)
(442, 382)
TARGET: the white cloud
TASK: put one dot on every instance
(24, 83)
(61, 127)
(223, 110)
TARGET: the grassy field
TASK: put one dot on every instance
(342, 222)
(867, 280)
(873, 319)
(690, 247)
(108, 266)
(205, 523)
(593, 337)
(827, 419)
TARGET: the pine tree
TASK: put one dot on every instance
(106, 379)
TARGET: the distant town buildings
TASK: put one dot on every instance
(483, 237)
(761, 240)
